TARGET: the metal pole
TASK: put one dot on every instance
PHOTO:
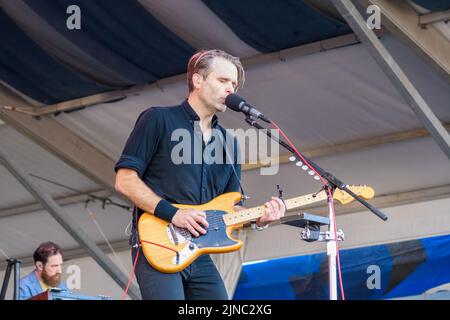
(16, 278)
(394, 73)
(63, 218)
(332, 253)
(6, 280)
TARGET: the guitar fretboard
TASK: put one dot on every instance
(247, 215)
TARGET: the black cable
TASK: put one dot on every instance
(105, 200)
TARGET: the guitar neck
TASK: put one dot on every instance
(247, 215)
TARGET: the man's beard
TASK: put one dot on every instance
(51, 281)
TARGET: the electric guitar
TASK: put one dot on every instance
(170, 249)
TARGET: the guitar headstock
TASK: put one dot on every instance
(364, 192)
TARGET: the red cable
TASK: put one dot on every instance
(131, 274)
(135, 261)
(160, 245)
(329, 195)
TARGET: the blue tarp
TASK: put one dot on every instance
(405, 268)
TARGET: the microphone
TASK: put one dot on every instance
(238, 104)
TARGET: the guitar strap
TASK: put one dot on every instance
(228, 153)
(134, 237)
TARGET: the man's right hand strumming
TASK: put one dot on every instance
(192, 220)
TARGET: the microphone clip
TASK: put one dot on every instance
(250, 119)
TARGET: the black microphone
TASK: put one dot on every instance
(238, 104)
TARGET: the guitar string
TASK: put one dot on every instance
(213, 219)
(216, 221)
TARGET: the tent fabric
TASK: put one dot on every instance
(37, 162)
(122, 43)
(12, 97)
(405, 268)
(56, 45)
(179, 15)
(434, 5)
(297, 93)
(230, 264)
(270, 25)
(122, 34)
(134, 53)
(28, 69)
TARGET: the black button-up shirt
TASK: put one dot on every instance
(167, 151)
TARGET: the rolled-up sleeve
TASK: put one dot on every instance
(142, 142)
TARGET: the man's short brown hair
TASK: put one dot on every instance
(45, 250)
(200, 63)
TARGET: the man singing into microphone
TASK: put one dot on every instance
(148, 176)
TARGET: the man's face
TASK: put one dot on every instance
(51, 271)
(220, 82)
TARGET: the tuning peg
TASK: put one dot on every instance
(305, 167)
(292, 158)
(311, 172)
(298, 163)
(316, 178)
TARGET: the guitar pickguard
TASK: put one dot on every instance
(178, 235)
(217, 232)
(215, 237)
(185, 254)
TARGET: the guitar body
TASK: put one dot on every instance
(170, 249)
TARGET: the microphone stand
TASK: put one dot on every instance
(12, 264)
(333, 183)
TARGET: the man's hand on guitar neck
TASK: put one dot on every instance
(195, 220)
(275, 209)
(191, 219)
